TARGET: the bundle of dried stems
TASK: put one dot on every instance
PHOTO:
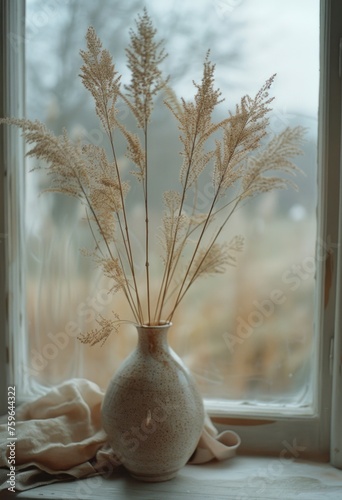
(234, 148)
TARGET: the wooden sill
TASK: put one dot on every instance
(241, 478)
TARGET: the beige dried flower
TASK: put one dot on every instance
(235, 149)
(100, 78)
(144, 58)
(102, 332)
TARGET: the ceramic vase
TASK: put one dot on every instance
(152, 411)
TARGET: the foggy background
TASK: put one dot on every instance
(249, 41)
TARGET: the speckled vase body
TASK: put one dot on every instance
(152, 411)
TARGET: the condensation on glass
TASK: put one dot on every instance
(247, 335)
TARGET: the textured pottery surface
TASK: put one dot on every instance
(152, 411)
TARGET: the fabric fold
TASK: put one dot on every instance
(59, 436)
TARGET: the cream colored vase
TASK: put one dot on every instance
(152, 412)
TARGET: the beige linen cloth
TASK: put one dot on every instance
(60, 437)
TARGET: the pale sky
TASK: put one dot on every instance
(276, 37)
(286, 41)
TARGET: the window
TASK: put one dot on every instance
(295, 414)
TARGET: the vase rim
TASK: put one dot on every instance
(162, 324)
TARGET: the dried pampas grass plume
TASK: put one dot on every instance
(236, 150)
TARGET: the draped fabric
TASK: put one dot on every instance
(59, 437)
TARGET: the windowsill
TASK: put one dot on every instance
(240, 478)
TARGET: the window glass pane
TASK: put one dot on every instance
(247, 334)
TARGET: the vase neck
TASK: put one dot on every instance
(153, 339)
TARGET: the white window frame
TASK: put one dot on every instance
(12, 193)
(311, 432)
